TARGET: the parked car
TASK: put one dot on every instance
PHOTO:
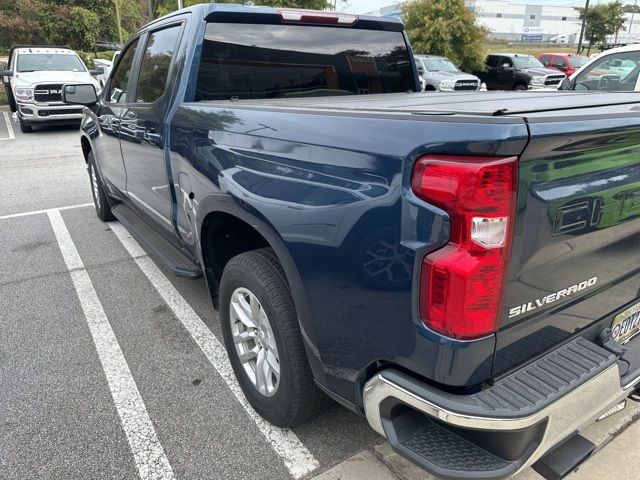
(441, 74)
(614, 70)
(33, 84)
(514, 71)
(461, 269)
(567, 63)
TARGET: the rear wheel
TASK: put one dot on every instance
(263, 340)
(103, 209)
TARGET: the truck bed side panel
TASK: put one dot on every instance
(328, 191)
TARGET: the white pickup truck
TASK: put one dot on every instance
(33, 83)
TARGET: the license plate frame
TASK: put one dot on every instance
(626, 324)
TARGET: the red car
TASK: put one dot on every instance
(565, 62)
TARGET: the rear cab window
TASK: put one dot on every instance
(265, 61)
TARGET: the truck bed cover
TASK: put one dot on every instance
(458, 103)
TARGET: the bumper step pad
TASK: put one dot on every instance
(452, 452)
(426, 431)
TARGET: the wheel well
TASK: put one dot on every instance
(86, 148)
(519, 82)
(223, 237)
(429, 88)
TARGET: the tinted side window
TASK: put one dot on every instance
(121, 75)
(154, 69)
(492, 61)
(277, 61)
(545, 60)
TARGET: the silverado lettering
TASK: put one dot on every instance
(552, 297)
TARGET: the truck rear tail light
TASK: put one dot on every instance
(311, 16)
(461, 284)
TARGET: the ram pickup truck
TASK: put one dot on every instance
(515, 71)
(34, 80)
(439, 74)
(463, 269)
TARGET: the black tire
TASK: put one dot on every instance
(520, 86)
(297, 398)
(12, 101)
(24, 127)
(100, 201)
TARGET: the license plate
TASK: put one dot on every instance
(626, 325)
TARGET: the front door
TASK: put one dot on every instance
(114, 99)
(142, 131)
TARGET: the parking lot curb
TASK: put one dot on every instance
(362, 466)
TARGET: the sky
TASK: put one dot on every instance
(362, 6)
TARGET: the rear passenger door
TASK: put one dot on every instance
(142, 129)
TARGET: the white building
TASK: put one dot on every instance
(516, 20)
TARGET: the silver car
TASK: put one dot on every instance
(441, 74)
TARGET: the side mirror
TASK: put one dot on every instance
(6, 73)
(507, 68)
(561, 66)
(565, 84)
(83, 94)
(97, 71)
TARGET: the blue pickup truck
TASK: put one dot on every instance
(462, 269)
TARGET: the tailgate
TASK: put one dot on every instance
(576, 249)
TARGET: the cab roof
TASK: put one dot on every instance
(561, 54)
(227, 12)
(510, 55)
(45, 50)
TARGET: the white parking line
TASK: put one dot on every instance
(38, 212)
(147, 451)
(297, 458)
(9, 127)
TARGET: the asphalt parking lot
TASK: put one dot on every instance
(113, 368)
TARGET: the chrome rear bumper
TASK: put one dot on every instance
(593, 387)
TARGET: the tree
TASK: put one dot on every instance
(20, 22)
(447, 28)
(167, 6)
(603, 20)
(77, 23)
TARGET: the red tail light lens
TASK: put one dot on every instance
(461, 284)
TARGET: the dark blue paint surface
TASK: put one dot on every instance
(330, 192)
(331, 195)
